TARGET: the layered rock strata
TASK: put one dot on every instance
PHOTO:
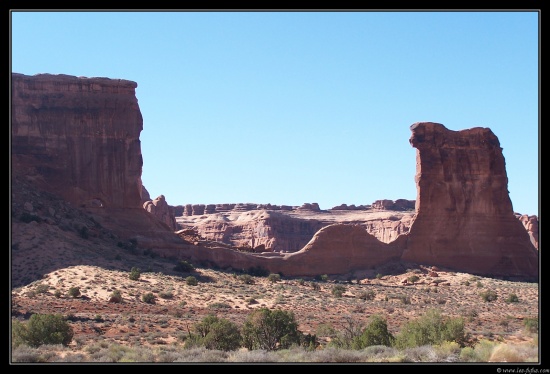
(78, 138)
(464, 216)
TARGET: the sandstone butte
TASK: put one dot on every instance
(78, 138)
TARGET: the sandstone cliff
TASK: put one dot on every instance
(464, 217)
(289, 230)
(78, 138)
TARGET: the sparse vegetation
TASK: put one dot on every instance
(347, 331)
(274, 278)
(338, 290)
(184, 267)
(191, 281)
(135, 273)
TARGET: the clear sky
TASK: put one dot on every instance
(302, 107)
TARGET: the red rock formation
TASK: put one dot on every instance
(531, 224)
(335, 249)
(162, 211)
(464, 215)
(79, 137)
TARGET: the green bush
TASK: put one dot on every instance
(512, 298)
(488, 295)
(246, 278)
(217, 333)
(321, 277)
(148, 298)
(338, 290)
(74, 292)
(166, 294)
(42, 329)
(531, 325)
(431, 329)
(184, 267)
(376, 333)
(115, 297)
(42, 288)
(315, 286)
(270, 330)
(191, 281)
(413, 278)
(135, 273)
(274, 278)
(366, 295)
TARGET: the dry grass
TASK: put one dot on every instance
(135, 323)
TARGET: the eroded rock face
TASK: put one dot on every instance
(531, 224)
(290, 231)
(160, 209)
(78, 137)
(464, 215)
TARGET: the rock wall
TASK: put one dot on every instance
(78, 137)
(464, 217)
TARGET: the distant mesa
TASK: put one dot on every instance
(78, 138)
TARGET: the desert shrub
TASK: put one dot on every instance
(148, 298)
(338, 290)
(376, 333)
(191, 281)
(270, 330)
(413, 278)
(166, 294)
(484, 349)
(42, 329)
(246, 278)
(301, 282)
(115, 297)
(346, 337)
(512, 298)
(366, 295)
(379, 276)
(41, 288)
(218, 305)
(57, 293)
(74, 292)
(217, 333)
(431, 329)
(184, 267)
(315, 286)
(135, 273)
(468, 354)
(257, 271)
(274, 278)
(321, 277)
(531, 324)
(488, 295)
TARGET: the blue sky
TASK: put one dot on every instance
(296, 107)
